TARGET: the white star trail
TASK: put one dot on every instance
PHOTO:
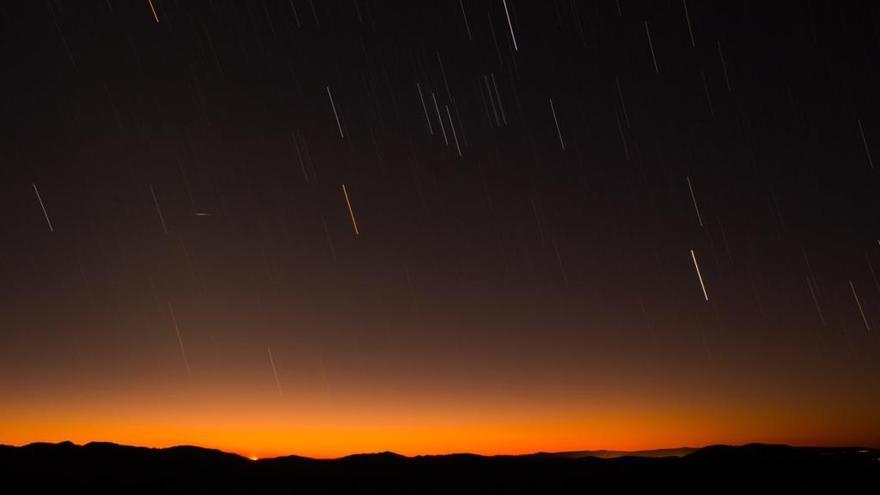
(425, 108)
(158, 210)
(694, 199)
(865, 143)
(510, 25)
(859, 304)
(335, 114)
(651, 46)
(179, 338)
(687, 17)
(556, 121)
(43, 207)
(699, 275)
(275, 372)
(153, 10)
(440, 118)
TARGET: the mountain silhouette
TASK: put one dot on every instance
(108, 467)
(609, 454)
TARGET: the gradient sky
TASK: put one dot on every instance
(535, 293)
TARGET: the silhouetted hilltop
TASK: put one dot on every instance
(377, 457)
(750, 468)
(610, 454)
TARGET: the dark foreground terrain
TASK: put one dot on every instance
(105, 467)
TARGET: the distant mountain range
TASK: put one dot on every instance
(610, 454)
(753, 468)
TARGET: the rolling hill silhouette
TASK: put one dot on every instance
(750, 468)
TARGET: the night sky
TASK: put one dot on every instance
(327, 227)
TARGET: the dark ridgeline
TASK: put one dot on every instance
(754, 468)
(465, 206)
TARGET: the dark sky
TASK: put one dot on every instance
(522, 275)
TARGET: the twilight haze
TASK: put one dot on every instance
(328, 227)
